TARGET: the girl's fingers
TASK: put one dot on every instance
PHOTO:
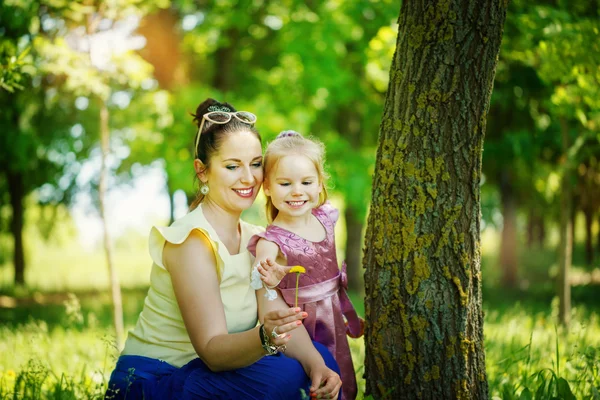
(330, 388)
(267, 264)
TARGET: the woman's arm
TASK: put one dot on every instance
(192, 266)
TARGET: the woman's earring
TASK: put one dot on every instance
(204, 189)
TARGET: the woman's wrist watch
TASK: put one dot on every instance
(265, 341)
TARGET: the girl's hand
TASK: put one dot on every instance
(281, 322)
(271, 272)
(325, 383)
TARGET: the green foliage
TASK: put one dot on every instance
(13, 68)
(547, 73)
(17, 19)
(298, 66)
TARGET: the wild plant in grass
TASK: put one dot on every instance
(573, 375)
(38, 378)
(37, 381)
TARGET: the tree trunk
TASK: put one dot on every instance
(16, 189)
(598, 237)
(114, 279)
(573, 217)
(424, 333)
(530, 229)
(163, 48)
(589, 248)
(541, 229)
(508, 244)
(566, 238)
(354, 228)
(349, 124)
(536, 230)
(224, 78)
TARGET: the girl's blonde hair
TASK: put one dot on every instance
(288, 143)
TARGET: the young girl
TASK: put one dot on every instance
(301, 232)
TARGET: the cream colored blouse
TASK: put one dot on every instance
(160, 332)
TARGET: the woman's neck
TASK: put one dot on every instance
(222, 221)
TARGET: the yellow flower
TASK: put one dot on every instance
(298, 268)
(10, 374)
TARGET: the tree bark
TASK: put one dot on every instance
(566, 235)
(114, 279)
(16, 190)
(508, 244)
(424, 332)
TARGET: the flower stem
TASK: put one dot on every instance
(297, 281)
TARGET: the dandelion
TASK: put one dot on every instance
(298, 270)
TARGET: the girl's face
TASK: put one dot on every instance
(235, 173)
(294, 185)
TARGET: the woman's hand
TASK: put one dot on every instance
(279, 323)
(271, 272)
(325, 383)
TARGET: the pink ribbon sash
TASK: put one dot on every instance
(322, 290)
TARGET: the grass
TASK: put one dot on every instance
(69, 355)
(57, 346)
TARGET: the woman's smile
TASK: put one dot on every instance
(246, 193)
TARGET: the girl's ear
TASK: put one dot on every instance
(266, 187)
(200, 169)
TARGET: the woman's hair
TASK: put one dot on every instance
(213, 135)
(289, 143)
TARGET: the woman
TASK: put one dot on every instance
(197, 336)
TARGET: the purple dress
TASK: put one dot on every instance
(322, 290)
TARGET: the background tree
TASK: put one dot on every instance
(74, 70)
(37, 147)
(424, 336)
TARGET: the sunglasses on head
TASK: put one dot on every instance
(221, 118)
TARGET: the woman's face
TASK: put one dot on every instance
(235, 172)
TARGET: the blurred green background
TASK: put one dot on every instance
(134, 70)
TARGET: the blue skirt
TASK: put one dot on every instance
(273, 377)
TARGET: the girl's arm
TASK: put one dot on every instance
(299, 345)
(192, 267)
(271, 272)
